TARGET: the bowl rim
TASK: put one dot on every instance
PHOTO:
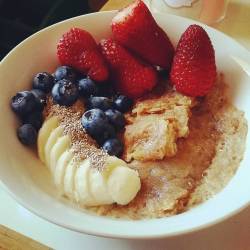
(119, 234)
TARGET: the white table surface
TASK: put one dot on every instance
(231, 234)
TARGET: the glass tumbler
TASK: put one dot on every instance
(213, 11)
(206, 11)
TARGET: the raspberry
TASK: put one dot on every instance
(130, 76)
(77, 48)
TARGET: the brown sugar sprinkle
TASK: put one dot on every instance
(82, 144)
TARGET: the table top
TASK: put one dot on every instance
(229, 235)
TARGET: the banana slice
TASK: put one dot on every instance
(82, 189)
(60, 168)
(99, 188)
(54, 136)
(123, 184)
(61, 145)
(79, 181)
(111, 163)
(69, 178)
(44, 133)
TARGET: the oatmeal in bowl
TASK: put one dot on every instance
(130, 126)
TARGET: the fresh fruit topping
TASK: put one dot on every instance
(194, 71)
(23, 103)
(35, 119)
(130, 76)
(65, 72)
(43, 81)
(96, 124)
(80, 180)
(93, 64)
(99, 102)
(113, 147)
(123, 103)
(116, 118)
(77, 48)
(65, 92)
(40, 97)
(27, 134)
(163, 73)
(50, 124)
(109, 132)
(107, 90)
(87, 87)
(135, 28)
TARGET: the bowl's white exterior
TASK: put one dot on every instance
(25, 178)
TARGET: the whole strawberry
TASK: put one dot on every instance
(77, 48)
(194, 71)
(130, 76)
(135, 28)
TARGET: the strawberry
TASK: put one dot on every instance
(77, 48)
(130, 76)
(194, 71)
(135, 28)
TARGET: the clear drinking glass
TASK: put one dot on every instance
(213, 11)
(206, 11)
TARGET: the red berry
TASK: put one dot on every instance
(92, 62)
(131, 76)
(135, 28)
(77, 48)
(194, 70)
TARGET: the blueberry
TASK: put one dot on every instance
(116, 118)
(162, 72)
(23, 103)
(87, 87)
(96, 124)
(113, 147)
(27, 134)
(109, 132)
(43, 81)
(123, 103)
(105, 89)
(80, 75)
(40, 97)
(93, 120)
(65, 72)
(99, 102)
(65, 92)
(35, 119)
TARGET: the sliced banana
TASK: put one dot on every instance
(69, 178)
(82, 189)
(123, 184)
(99, 188)
(111, 163)
(79, 181)
(61, 145)
(44, 133)
(60, 168)
(54, 136)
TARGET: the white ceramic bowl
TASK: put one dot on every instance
(26, 179)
